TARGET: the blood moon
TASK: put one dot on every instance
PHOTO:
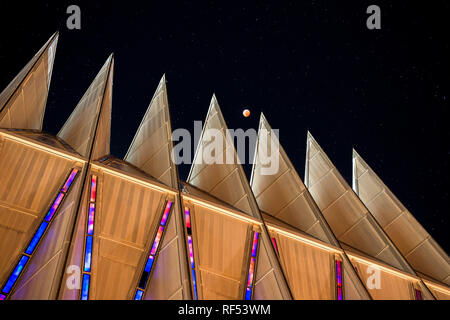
(246, 113)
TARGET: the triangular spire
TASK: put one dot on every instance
(210, 170)
(227, 182)
(283, 194)
(349, 219)
(287, 201)
(414, 242)
(151, 148)
(88, 128)
(23, 101)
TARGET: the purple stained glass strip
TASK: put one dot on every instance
(251, 268)
(15, 274)
(418, 294)
(338, 273)
(69, 181)
(339, 294)
(191, 252)
(37, 236)
(166, 213)
(90, 228)
(2, 297)
(54, 207)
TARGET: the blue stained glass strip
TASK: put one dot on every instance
(85, 287)
(194, 282)
(88, 254)
(16, 273)
(139, 294)
(248, 294)
(149, 264)
(146, 273)
(36, 238)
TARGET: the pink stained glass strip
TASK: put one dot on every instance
(188, 217)
(69, 181)
(166, 213)
(275, 245)
(157, 240)
(90, 228)
(251, 271)
(93, 188)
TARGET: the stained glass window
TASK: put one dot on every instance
(89, 239)
(153, 252)
(187, 216)
(15, 274)
(37, 236)
(139, 294)
(418, 294)
(85, 286)
(274, 241)
(340, 295)
(251, 269)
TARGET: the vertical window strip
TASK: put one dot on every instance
(139, 294)
(339, 291)
(37, 236)
(418, 294)
(252, 267)
(274, 242)
(187, 218)
(143, 281)
(85, 286)
(89, 239)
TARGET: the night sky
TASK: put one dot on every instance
(308, 65)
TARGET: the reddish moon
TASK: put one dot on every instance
(246, 113)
